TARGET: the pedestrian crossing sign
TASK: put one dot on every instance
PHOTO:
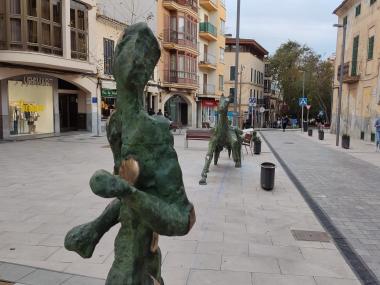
(302, 102)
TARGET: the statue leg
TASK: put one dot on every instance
(206, 168)
(236, 153)
(84, 238)
(217, 155)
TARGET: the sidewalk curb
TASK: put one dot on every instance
(365, 274)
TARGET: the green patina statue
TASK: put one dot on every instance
(224, 136)
(147, 181)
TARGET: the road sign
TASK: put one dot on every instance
(302, 101)
(308, 107)
(262, 110)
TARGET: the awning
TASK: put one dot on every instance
(110, 93)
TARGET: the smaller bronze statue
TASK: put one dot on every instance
(147, 180)
(224, 137)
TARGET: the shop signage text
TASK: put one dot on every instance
(25, 107)
(37, 81)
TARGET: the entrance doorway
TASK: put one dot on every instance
(177, 109)
(68, 112)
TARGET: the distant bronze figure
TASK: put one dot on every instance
(224, 137)
(147, 181)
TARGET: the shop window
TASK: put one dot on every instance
(45, 9)
(16, 30)
(79, 38)
(15, 7)
(57, 11)
(32, 7)
(31, 106)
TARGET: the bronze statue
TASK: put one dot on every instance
(224, 136)
(147, 181)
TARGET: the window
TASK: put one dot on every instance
(109, 46)
(3, 35)
(34, 25)
(251, 74)
(232, 94)
(355, 51)
(371, 44)
(372, 2)
(345, 21)
(255, 78)
(358, 10)
(221, 83)
(221, 55)
(232, 73)
(79, 37)
(222, 27)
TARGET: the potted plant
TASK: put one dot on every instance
(256, 145)
(346, 141)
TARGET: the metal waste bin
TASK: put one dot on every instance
(310, 132)
(305, 126)
(267, 175)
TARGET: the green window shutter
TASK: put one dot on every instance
(371, 44)
(345, 21)
(355, 50)
(358, 10)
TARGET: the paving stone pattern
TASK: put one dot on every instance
(345, 187)
(242, 235)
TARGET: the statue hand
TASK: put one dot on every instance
(106, 185)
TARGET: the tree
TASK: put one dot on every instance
(293, 62)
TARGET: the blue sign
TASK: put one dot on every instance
(94, 100)
(302, 101)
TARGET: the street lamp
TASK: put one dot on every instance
(237, 62)
(344, 26)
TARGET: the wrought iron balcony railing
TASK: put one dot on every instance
(180, 77)
(183, 39)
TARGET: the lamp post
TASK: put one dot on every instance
(237, 62)
(344, 26)
(303, 96)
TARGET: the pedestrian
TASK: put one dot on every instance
(151, 112)
(159, 113)
(285, 122)
(377, 126)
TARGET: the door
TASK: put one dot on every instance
(68, 112)
(205, 83)
(205, 53)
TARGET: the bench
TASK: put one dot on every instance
(198, 135)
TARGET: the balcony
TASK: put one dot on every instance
(208, 31)
(350, 73)
(208, 61)
(207, 89)
(209, 5)
(177, 40)
(180, 79)
(190, 6)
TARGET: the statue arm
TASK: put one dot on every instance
(174, 219)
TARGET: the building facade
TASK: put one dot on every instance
(251, 79)
(212, 14)
(361, 77)
(191, 33)
(46, 67)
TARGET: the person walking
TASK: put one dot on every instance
(285, 122)
(159, 113)
(377, 126)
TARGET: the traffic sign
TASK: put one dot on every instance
(262, 110)
(302, 101)
(308, 107)
(252, 101)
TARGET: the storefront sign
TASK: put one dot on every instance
(111, 93)
(37, 81)
(209, 103)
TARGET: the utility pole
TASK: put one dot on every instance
(237, 62)
(303, 96)
(344, 26)
(240, 91)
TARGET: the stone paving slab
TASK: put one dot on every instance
(242, 235)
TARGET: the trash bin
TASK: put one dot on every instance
(305, 126)
(321, 135)
(267, 175)
(310, 132)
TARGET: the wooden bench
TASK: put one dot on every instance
(198, 135)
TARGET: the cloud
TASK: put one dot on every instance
(273, 22)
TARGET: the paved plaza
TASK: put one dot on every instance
(242, 235)
(345, 184)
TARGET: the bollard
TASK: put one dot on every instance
(267, 175)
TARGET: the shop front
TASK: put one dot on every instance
(209, 113)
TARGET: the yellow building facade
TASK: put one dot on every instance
(191, 34)
(361, 76)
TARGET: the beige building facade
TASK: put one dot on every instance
(48, 68)
(361, 83)
(251, 78)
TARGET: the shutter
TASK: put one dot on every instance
(355, 51)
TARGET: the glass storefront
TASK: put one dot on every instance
(209, 113)
(108, 102)
(31, 106)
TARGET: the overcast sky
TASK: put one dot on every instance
(273, 22)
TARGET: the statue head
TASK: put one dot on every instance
(136, 56)
(223, 105)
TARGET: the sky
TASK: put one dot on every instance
(273, 22)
